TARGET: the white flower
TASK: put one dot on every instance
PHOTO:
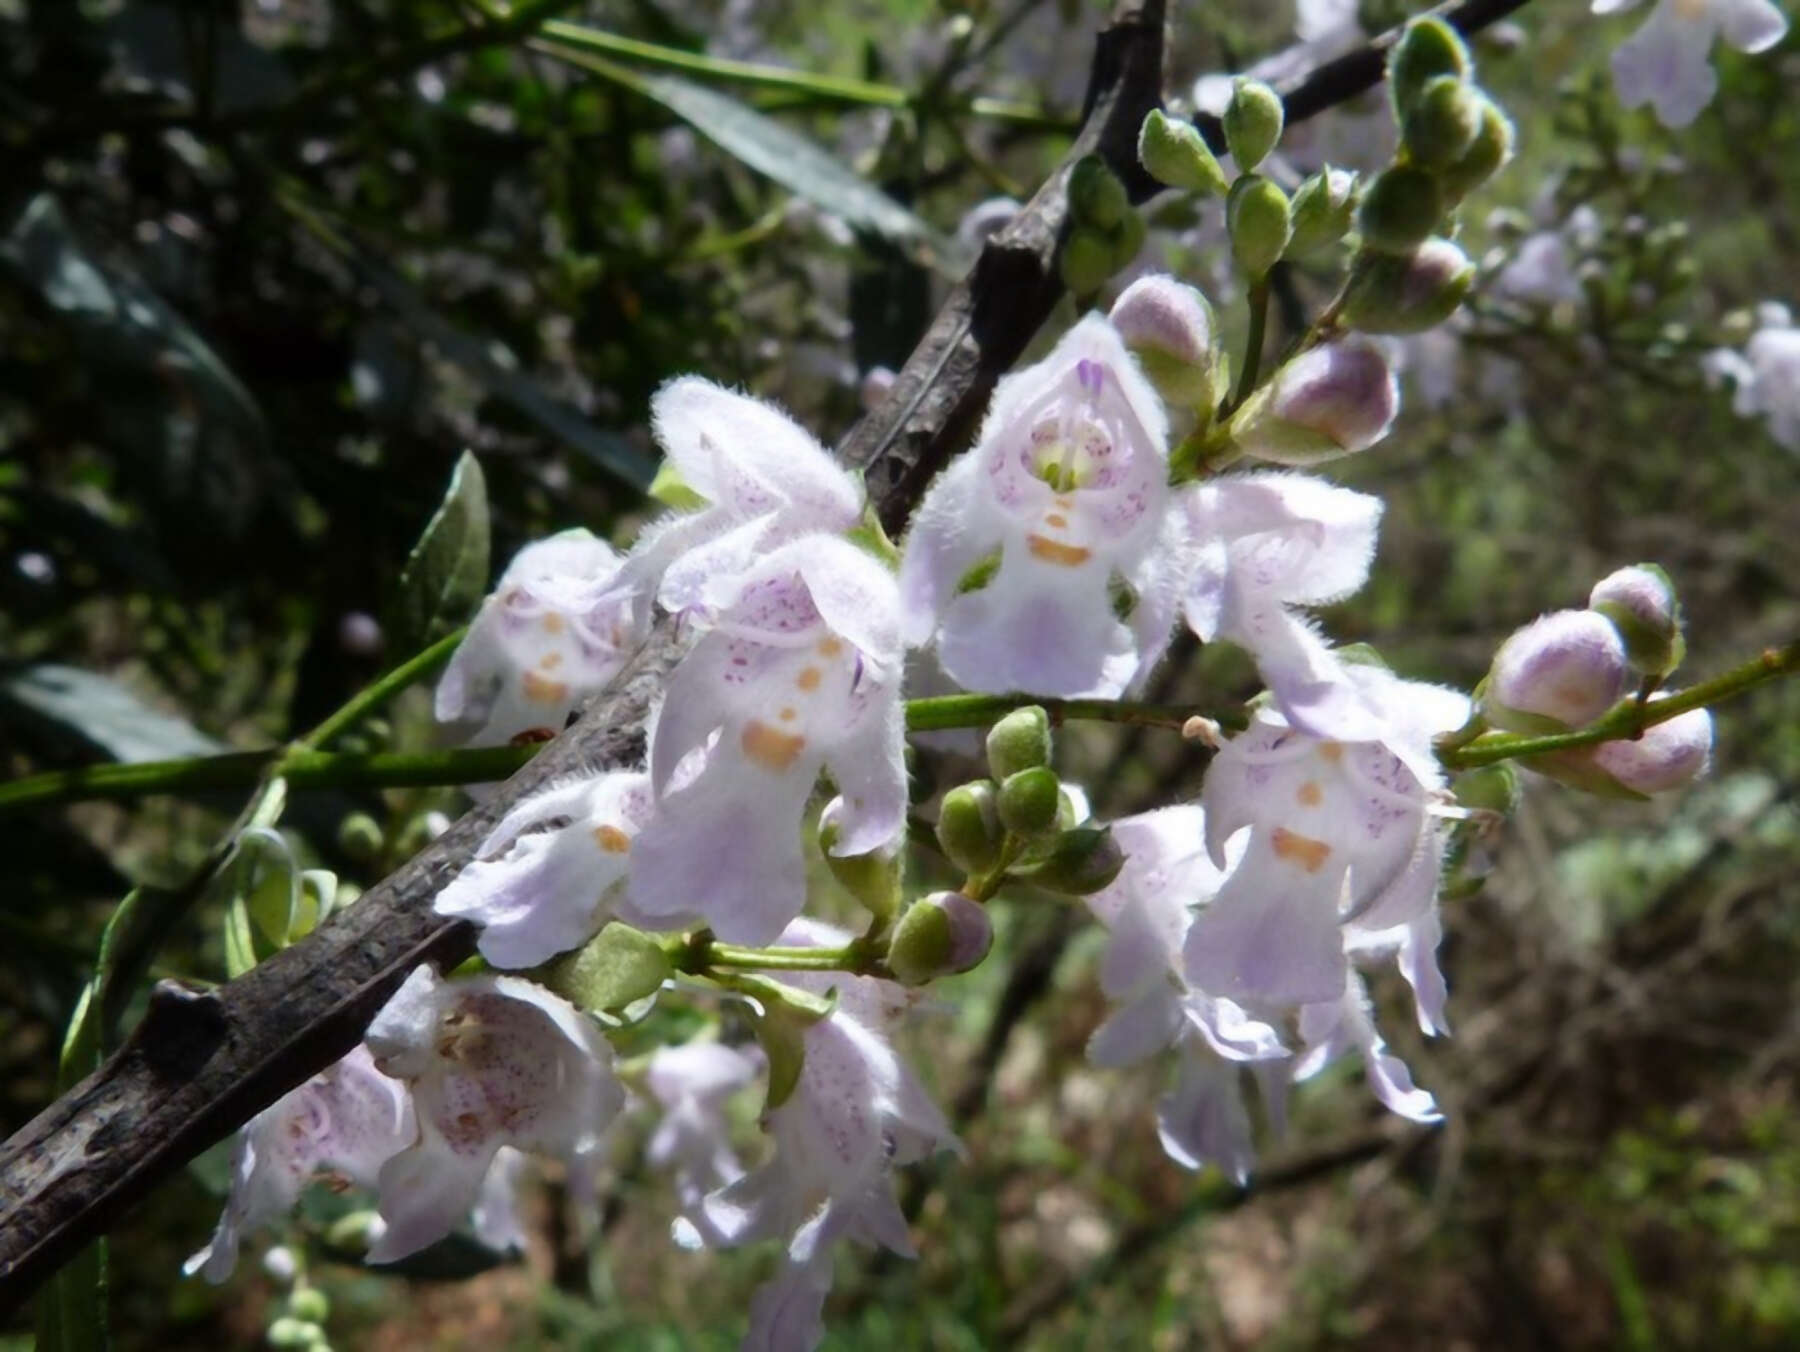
(692, 1084)
(855, 1114)
(1261, 544)
(1016, 549)
(1666, 63)
(1766, 374)
(1331, 1028)
(349, 1120)
(555, 631)
(1149, 908)
(764, 478)
(800, 672)
(495, 1217)
(537, 892)
(491, 1061)
(1337, 832)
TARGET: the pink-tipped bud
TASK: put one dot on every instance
(1668, 756)
(1330, 401)
(939, 935)
(1561, 671)
(1169, 328)
(1640, 600)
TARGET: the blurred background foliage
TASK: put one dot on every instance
(268, 267)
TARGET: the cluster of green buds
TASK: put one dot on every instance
(1105, 231)
(1019, 824)
(1408, 276)
(299, 1321)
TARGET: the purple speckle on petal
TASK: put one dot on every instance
(856, 674)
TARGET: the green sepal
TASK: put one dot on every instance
(618, 966)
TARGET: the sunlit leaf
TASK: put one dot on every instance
(446, 575)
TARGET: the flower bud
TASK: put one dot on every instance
(1640, 600)
(1486, 156)
(968, 827)
(1442, 122)
(359, 836)
(1559, 672)
(1176, 155)
(1168, 326)
(1667, 756)
(1323, 208)
(1081, 862)
(873, 878)
(1020, 741)
(310, 1304)
(1399, 210)
(939, 935)
(1260, 221)
(1028, 801)
(1096, 197)
(1331, 400)
(1086, 261)
(1492, 788)
(1407, 293)
(1252, 122)
(294, 1333)
(1428, 49)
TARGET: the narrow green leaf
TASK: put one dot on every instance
(98, 713)
(446, 576)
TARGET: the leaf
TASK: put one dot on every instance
(160, 390)
(101, 714)
(446, 575)
(617, 966)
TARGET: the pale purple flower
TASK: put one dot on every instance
(1766, 374)
(554, 632)
(856, 1113)
(1330, 1029)
(346, 1121)
(1258, 546)
(490, 1061)
(1667, 62)
(764, 478)
(1338, 833)
(1015, 552)
(495, 1217)
(692, 1084)
(801, 672)
(551, 873)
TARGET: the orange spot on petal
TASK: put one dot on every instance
(549, 661)
(1310, 793)
(612, 839)
(787, 714)
(1055, 551)
(1331, 752)
(1310, 854)
(808, 679)
(544, 691)
(769, 747)
(1056, 519)
(831, 647)
(553, 623)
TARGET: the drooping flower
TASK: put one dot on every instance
(552, 871)
(856, 1113)
(347, 1121)
(555, 631)
(1330, 1029)
(490, 1061)
(1337, 832)
(801, 671)
(692, 1084)
(1667, 62)
(1766, 374)
(1024, 552)
(1148, 910)
(1261, 544)
(765, 481)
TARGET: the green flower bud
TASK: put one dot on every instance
(1486, 156)
(1429, 48)
(1128, 239)
(1392, 293)
(1399, 210)
(1096, 197)
(309, 1303)
(1252, 121)
(294, 1333)
(1323, 208)
(1086, 261)
(1492, 788)
(360, 837)
(1028, 801)
(1168, 326)
(1176, 155)
(1020, 741)
(873, 879)
(1260, 221)
(1442, 123)
(1081, 862)
(939, 935)
(968, 827)
(1641, 603)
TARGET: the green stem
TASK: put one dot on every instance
(851, 957)
(365, 702)
(1628, 718)
(1253, 343)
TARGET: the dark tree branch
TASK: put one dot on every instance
(200, 1065)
